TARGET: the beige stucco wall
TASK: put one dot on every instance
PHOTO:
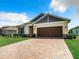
(26, 28)
(64, 24)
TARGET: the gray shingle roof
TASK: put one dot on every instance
(42, 14)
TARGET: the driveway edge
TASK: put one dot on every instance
(68, 50)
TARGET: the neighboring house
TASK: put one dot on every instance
(0, 30)
(46, 25)
(8, 30)
(74, 30)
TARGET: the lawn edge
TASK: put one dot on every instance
(68, 50)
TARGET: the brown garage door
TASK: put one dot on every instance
(50, 32)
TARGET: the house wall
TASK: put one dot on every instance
(10, 32)
(26, 28)
(78, 31)
(74, 31)
(9, 29)
(64, 24)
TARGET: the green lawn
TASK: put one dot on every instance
(9, 40)
(74, 47)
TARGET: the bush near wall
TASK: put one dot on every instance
(70, 36)
(23, 35)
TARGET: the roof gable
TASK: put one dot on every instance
(37, 17)
(41, 18)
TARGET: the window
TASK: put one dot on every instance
(76, 31)
(21, 30)
(71, 31)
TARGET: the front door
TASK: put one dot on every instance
(30, 30)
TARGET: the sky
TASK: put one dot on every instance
(15, 12)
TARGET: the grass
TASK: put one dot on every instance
(9, 40)
(74, 47)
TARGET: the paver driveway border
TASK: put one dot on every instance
(36, 49)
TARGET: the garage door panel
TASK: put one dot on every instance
(50, 32)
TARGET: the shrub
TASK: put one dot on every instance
(70, 36)
(23, 35)
(20, 35)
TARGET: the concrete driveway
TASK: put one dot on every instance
(36, 49)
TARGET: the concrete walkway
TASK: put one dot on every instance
(36, 49)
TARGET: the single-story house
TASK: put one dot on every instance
(8, 30)
(47, 25)
(74, 30)
(43, 25)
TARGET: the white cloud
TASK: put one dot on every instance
(58, 5)
(10, 18)
(62, 5)
(55, 4)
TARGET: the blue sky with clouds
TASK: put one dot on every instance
(14, 12)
